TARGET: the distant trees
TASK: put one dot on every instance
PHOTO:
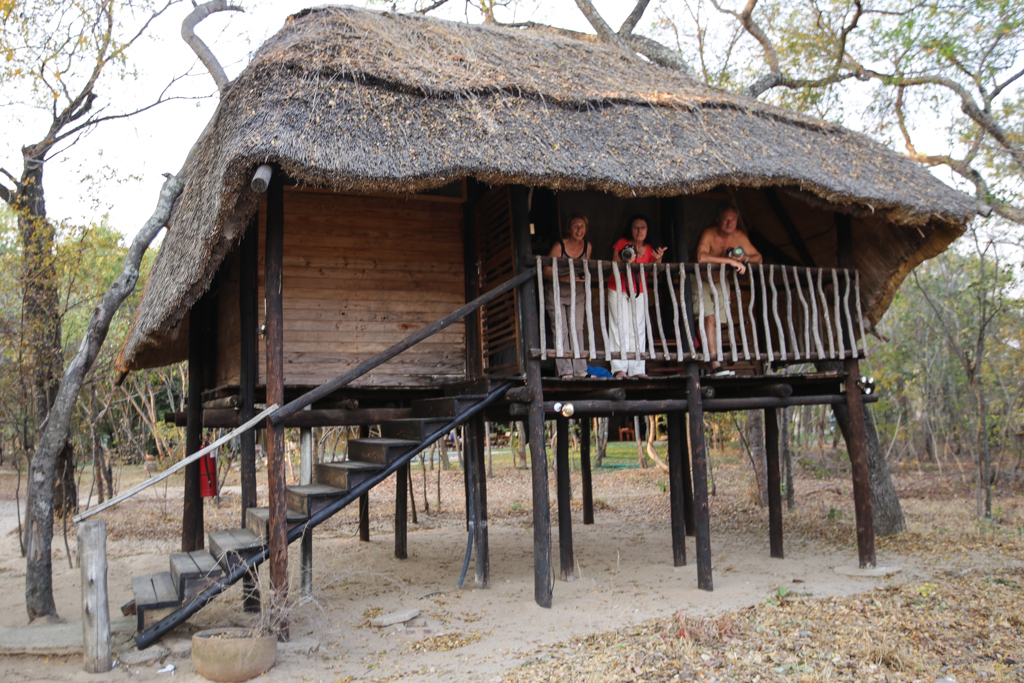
(954, 362)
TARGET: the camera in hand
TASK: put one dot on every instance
(627, 253)
(735, 252)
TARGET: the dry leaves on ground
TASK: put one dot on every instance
(968, 628)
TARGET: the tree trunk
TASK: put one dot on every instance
(521, 437)
(65, 492)
(984, 457)
(601, 447)
(785, 431)
(754, 438)
(885, 504)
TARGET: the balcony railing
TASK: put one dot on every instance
(771, 312)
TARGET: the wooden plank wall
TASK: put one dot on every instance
(227, 367)
(360, 274)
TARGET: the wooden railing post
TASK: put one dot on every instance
(92, 554)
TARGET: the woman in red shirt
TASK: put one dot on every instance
(622, 335)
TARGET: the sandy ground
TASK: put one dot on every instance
(624, 575)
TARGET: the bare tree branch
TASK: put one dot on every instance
(6, 195)
(433, 7)
(961, 167)
(633, 19)
(1002, 86)
(604, 31)
(204, 53)
(659, 54)
(967, 105)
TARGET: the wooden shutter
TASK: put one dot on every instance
(499, 320)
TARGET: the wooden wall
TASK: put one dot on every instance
(360, 274)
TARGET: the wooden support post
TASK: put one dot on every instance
(92, 555)
(771, 448)
(475, 435)
(306, 477)
(192, 510)
(586, 484)
(681, 239)
(364, 517)
(273, 282)
(542, 584)
(856, 444)
(402, 512)
(248, 374)
(676, 441)
(364, 500)
(702, 514)
(684, 449)
(564, 486)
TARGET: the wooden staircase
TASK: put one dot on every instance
(157, 596)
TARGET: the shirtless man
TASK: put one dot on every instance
(715, 242)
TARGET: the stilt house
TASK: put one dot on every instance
(359, 242)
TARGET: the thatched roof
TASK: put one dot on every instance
(353, 99)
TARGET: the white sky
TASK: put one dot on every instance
(117, 169)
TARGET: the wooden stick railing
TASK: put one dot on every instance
(782, 312)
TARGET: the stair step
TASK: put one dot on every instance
(232, 547)
(378, 451)
(344, 475)
(192, 573)
(311, 498)
(257, 520)
(469, 387)
(445, 406)
(413, 428)
(155, 598)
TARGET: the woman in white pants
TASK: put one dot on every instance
(626, 312)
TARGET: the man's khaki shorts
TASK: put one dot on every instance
(709, 298)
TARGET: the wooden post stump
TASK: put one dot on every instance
(771, 447)
(92, 554)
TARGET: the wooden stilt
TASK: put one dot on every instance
(306, 478)
(771, 447)
(364, 517)
(702, 514)
(402, 512)
(192, 511)
(684, 471)
(586, 484)
(675, 480)
(248, 373)
(542, 584)
(478, 487)
(856, 443)
(364, 500)
(273, 279)
(92, 553)
(564, 486)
